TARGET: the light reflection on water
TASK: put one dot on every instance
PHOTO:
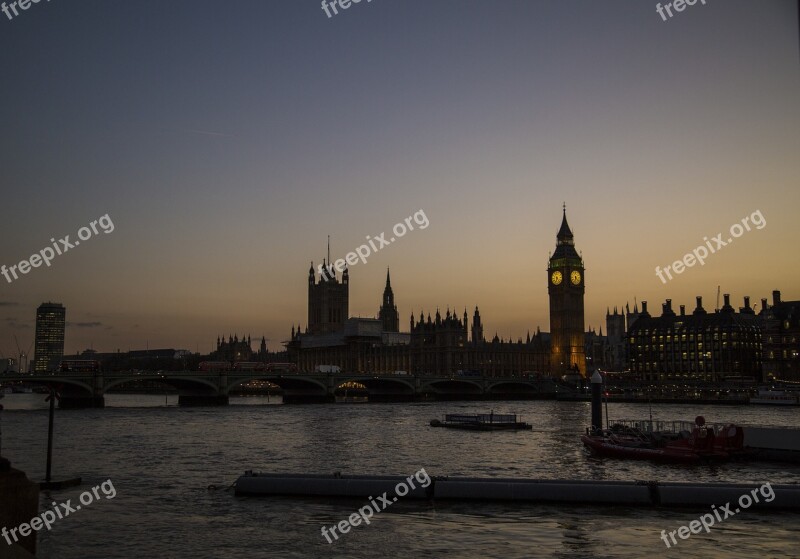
(162, 459)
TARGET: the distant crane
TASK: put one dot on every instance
(22, 355)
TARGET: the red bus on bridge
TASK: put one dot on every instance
(249, 366)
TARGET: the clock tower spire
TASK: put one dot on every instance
(566, 287)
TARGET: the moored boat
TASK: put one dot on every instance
(775, 398)
(628, 440)
(482, 422)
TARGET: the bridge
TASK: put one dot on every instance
(204, 388)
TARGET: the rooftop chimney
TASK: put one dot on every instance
(683, 310)
(776, 297)
(699, 309)
(727, 306)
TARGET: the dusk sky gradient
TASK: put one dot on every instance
(227, 140)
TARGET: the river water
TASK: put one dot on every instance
(162, 459)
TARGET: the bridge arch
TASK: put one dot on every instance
(382, 388)
(513, 389)
(444, 388)
(67, 385)
(296, 388)
(178, 383)
(282, 381)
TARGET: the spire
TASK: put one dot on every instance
(388, 279)
(565, 244)
(565, 233)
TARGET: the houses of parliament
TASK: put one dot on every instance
(443, 344)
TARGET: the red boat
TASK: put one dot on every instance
(678, 445)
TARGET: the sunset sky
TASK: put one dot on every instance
(227, 140)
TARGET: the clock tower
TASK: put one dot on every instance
(566, 286)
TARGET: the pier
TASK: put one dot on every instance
(559, 491)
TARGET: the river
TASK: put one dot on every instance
(162, 458)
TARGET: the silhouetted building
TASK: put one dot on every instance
(435, 347)
(443, 346)
(597, 351)
(566, 286)
(361, 346)
(702, 346)
(239, 350)
(49, 342)
(328, 300)
(477, 328)
(440, 346)
(631, 317)
(166, 359)
(387, 314)
(781, 338)
(615, 327)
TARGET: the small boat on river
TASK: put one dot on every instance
(642, 440)
(776, 398)
(482, 422)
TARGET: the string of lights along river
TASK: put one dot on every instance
(162, 460)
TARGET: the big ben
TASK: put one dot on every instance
(566, 286)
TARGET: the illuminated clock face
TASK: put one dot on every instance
(556, 277)
(575, 277)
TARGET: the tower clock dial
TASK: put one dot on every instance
(556, 278)
(575, 277)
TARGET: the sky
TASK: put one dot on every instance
(226, 140)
